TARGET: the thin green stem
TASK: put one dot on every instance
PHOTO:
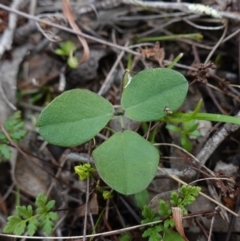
(203, 116)
(170, 66)
(194, 36)
(97, 222)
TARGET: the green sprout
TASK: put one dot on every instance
(14, 127)
(188, 130)
(84, 171)
(67, 49)
(30, 220)
(186, 196)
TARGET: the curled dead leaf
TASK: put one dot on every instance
(156, 53)
(177, 218)
(69, 16)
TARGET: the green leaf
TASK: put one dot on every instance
(48, 226)
(141, 198)
(60, 52)
(72, 62)
(190, 126)
(68, 47)
(13, 126)
(74, 117)
(15, 225)
(125, 237)
(18, 135)
(189, 193)
(164, 209)
(32, 226)
(84, 171)
(148, 214)
(41, 200)
(173, 128)
(153, 233)
(5, 151)
(26, 221)
(174, 198)
(186, 143)
(107, 195)
(170, 235)
(53, 216)
(168, 223)
(25, 212)
(126, 162)
(2, 137)
(50, 205)
(151, 91)
(195, 133)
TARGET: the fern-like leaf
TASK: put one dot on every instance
(30, 220)
(153, 233)
(15, 225)
(5, 151)
(149, 215)
(164, 209)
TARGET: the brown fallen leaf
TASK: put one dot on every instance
(177, 218)
(156, 53)
(69, 16)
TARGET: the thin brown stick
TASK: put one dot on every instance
(2, 6)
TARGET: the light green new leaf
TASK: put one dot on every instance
(74, 117)
(152, 93)
(126, 162)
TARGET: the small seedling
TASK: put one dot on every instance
(186, 196)
(14, 127)
(67, 49)
(28, 219)
(84, 171)
(188, 130)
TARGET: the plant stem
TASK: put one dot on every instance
(194, 36)
(170, 66)
(204, 116)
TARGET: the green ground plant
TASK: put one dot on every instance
(126, 161)
(29, 219)
(67, 49)
(165, 231)
(188, 129)
(14, 127)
